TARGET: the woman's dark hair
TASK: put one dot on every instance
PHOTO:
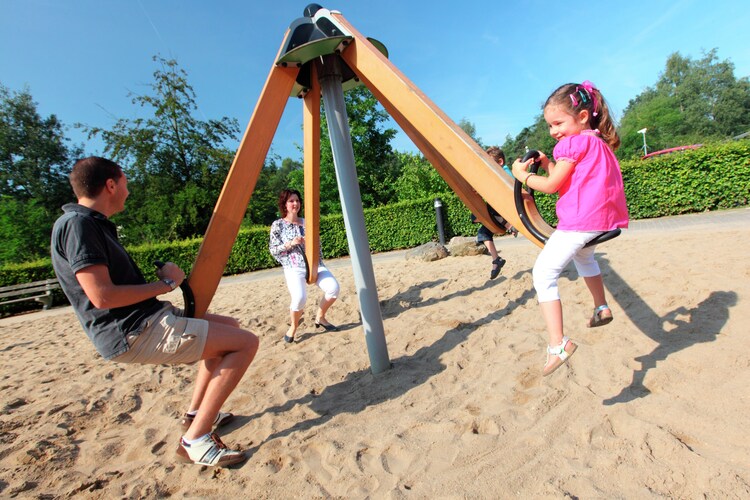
(89, 176)
(284, 195)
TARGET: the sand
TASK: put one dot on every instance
(656, 404)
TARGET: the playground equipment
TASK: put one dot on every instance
(321, 55)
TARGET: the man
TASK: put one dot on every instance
(121, 316)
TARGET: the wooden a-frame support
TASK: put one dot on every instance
(467, 169)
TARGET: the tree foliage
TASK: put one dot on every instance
(535, 136)
(34, 166)
(471, 130)
(377, 168)
(263, 209)
(175, 163)
(418, 178)
(693, 101)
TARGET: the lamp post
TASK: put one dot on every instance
(643, 131)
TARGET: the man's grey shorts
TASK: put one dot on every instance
(168, 339)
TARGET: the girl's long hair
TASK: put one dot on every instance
(575, 97)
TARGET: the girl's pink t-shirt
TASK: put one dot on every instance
(593, 197)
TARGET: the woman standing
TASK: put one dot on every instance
(287, 245)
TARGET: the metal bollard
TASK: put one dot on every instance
(439, 217)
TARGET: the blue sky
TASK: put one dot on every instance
(490, 63)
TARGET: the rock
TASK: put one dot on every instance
(463, 248)
(427, 252)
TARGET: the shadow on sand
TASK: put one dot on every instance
(361, 389)
(673, 332)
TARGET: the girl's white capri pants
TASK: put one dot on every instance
(561, 248)
(295, 282)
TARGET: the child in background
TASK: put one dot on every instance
(485, 235)
(591, 201)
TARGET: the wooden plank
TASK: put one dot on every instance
(25, 291)
(461, 159)
(11, 301)
(216, 247)
(311, 123)
(50, 284)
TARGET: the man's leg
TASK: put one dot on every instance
(206, 367)
(228, 352)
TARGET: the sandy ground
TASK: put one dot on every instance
(656, 404)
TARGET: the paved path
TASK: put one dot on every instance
(705, 221)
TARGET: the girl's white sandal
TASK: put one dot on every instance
(559, 355)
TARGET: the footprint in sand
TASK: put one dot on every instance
(396, 459)
(316, 457)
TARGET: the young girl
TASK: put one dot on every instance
(591, 201)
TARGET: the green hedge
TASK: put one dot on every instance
(712, 177)
(708, 178)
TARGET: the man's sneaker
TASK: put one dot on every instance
(209, 451)
(221, 419)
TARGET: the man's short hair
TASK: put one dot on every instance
(89, 176)
(496, 153)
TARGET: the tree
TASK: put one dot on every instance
(263, 209)
(34, 166)
(175, 163)
(534, 137)
(418, 178)
(692, 101)
(471, 131)
(377, 169)
(25, 228)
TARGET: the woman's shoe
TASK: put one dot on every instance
(328, 327)
(288, 339)
(559, 355)
(599, 319)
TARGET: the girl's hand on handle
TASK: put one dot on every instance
(520, 168)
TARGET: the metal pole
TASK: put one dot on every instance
(329, 70)
(439, 217)
(643, 131)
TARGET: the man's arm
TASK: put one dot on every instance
(98, 286)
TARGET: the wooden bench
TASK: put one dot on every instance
(41, 291)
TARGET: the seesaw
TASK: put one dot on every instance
(322, 55)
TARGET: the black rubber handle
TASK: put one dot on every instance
(187, 293)
(518, 197)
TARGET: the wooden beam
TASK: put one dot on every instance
(453, 153)
(311, 122)
(231, 206)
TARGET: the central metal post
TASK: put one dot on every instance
(329, 71)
